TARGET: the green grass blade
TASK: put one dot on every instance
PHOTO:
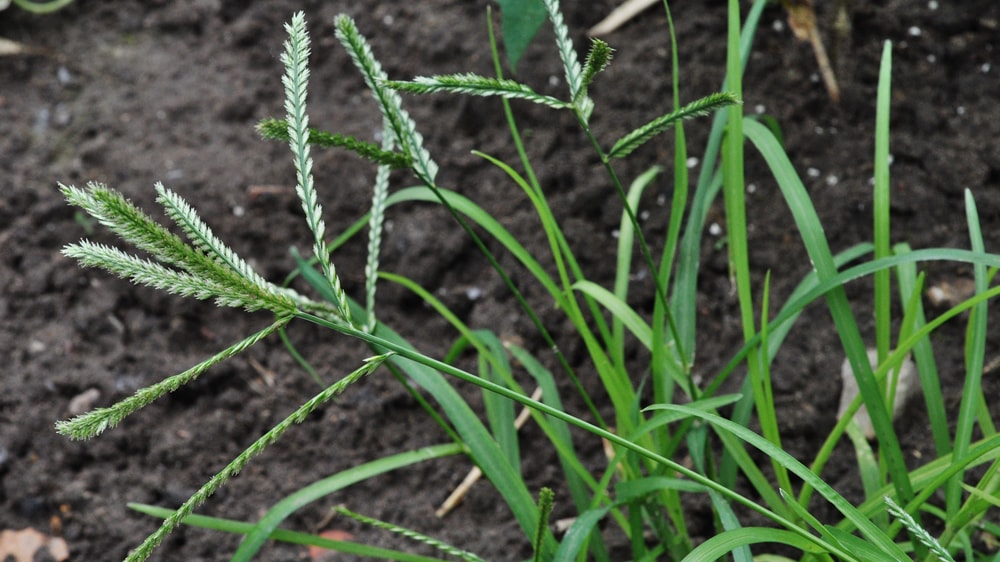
(974, 353)
(883, 300)
(486, 221)
(763, 394)
(718, 546)
(683, 297)
(499, 411)
(818, 249)
(871, 476)
(669, 360)
(623, 266)
(557, 430)
(578, 477)
(321, 488)
(577, 535)
(485, 452)
(923, 355)
(620, 310)
(870, 531)
(406, 356)
(283, 535)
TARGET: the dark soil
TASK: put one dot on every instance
(133, 93)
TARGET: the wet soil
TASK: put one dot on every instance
(131, 93)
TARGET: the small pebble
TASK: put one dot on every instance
(84, 402)
(63, 75)
(907, 387)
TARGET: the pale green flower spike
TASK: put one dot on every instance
(296, 81)
(475, 85)
(917, 531)
(408, 139)
(410, 534)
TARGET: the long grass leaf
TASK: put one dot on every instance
(623, 263)
(408, 355)
(284, 535)
(870, 531)
(620, 310)
(818, 249)
(723, 543)
(974, 352)
(683, 297)
(268, 524)
(880, 205)
(923, 355)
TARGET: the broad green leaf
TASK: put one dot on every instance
(521, 21)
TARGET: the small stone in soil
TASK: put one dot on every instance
(907, 387)
(84, 402)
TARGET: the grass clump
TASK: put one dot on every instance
(640, 491)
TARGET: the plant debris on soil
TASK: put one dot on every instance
(130, 93)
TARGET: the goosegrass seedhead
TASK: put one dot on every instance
(640, 493)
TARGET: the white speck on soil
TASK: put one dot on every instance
(714, 229)
(692, 161)
(914, 31)
(812, 172)
(64, 75)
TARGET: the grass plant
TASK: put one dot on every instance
(640, 493)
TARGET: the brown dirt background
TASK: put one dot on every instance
(132, 93)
